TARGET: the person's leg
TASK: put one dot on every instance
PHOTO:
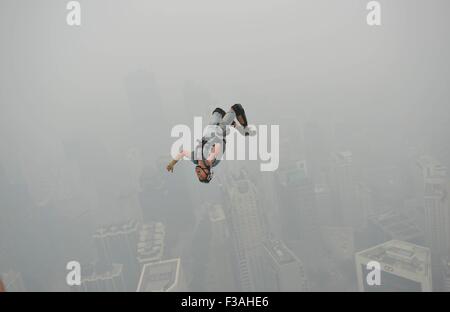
(240, 114)
(228, 118)
(217, 116)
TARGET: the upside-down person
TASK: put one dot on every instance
(207, 154)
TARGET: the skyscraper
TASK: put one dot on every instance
(436, 206)
(248, 232)
(324, 205)
(446, 274)
(160, 276)
(404, 267)
(317, 147)
(118, 244)
(150, 247)
(340, 243)
(345, 187)
(394, 225)
(219, 271)
(296, 195)
(164, 198)
(147, 113)
(283, 270)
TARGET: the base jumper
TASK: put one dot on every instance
(207, 154)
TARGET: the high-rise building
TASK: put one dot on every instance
(340, 242)
(317, 147)
(390, 225)
(325, 209)
(219, 270)
(296, 195)
(436, 206)
(146, 111)
(150, 247)
(345, 187)
(97, 277)
(403, 267)
(248, 232)
(12, 281)
(118, 244)
(283, 270)
(163, 276)
(446, 274)
(164, 199)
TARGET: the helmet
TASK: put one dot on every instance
(209, 174)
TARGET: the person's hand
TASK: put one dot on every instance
(170, 167)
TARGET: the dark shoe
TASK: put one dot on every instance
(240, 114)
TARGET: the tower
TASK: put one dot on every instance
(247, 231)
(403, 267)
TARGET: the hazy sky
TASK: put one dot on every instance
(310, 60)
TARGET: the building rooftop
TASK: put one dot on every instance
(95, 271)
(294, 174)
(400, 255)
(216, 213)
(115, 229)
(343, 158)
(397, 225)
(279, 252)
(432, 169)
(159, 276)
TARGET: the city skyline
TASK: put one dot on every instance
(86, 115)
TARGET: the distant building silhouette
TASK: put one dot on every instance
(436, 206)
(346, 189)
(296, 197)
(147, 113)
(248, 232)
(219, 270)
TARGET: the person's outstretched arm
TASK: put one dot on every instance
(172, 163)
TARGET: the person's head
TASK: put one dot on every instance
(203, 173)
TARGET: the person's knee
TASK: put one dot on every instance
(220, 111)
(238, 109)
